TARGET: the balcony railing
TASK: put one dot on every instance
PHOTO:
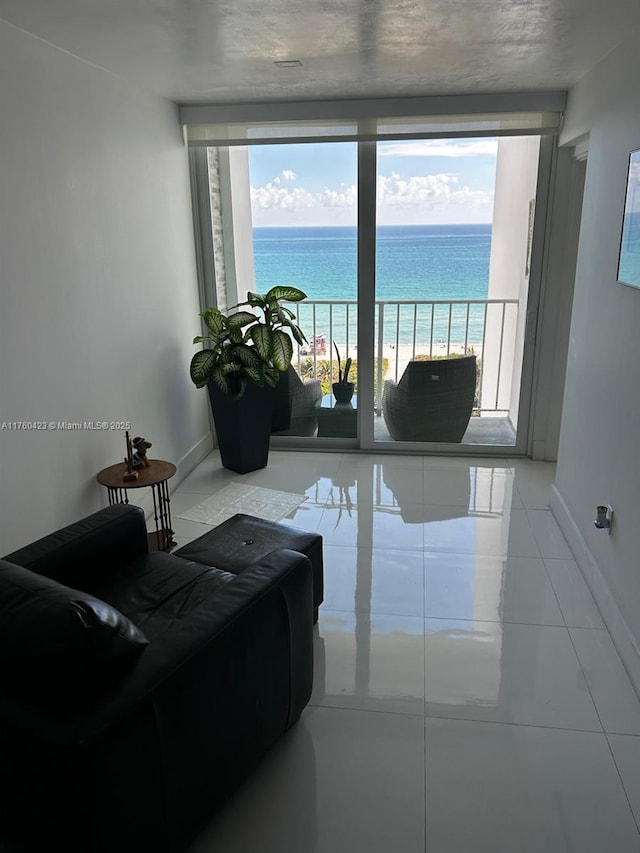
(406, 329)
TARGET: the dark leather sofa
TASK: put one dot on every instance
(139, 689)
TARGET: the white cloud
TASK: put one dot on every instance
(288, 175)
(274, 196)
(422, 198)
(439, 148)
(344, 196)
(429, 192)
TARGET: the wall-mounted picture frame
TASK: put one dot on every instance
(629, 260)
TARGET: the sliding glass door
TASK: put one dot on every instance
(454, 224)
(415, 257)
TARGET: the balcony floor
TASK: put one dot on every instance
(483, 431)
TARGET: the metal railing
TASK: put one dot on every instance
(406, 329)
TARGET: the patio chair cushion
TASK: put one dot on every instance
(294, 410)
(433, 400)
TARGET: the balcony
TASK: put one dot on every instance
(409, 329)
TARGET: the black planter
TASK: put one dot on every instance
(282, 401)
(343, 391)
(243, 427)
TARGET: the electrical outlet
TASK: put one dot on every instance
(604, 517)
(609, 518)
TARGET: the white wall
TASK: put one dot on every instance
(98, 297)
(556, 304)
(516, 183)
(598, 460)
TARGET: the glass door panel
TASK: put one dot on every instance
(453, 248)
(304, 212)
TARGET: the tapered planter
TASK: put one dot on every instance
(343, 391)
(243, 427)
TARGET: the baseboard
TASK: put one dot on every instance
(191, 459)
(626, 644)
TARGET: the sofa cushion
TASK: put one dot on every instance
(160, 592)
(43, 623)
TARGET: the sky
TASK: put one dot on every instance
(436, 181)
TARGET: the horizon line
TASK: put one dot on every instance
(388, 225)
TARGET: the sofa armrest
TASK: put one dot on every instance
(94, 544)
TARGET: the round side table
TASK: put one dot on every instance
(156, 477)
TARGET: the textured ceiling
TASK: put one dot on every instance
(223, 51)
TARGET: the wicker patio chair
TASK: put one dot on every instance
(294, 409)
(432, 401)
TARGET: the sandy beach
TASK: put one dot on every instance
(399, 356)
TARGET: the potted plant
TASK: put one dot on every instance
(342, 389)
(246, 354)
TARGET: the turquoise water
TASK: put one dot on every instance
(413, 262)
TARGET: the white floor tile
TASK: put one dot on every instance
(533, 481)
(184, 529)
(307, 516)
(399, 485)
(515, 789)
(574, 597)
(338, 782)
(380, 484)
(516, 757)
(369, 661)
(548, 535)
(626, 751)
(451, 463)
(362, 461)
(377, 580)
(369, 526)
(451, 528)
(181, 501)
(209, 477)
(498, 589)
(616, 700)
(310, 474)
(506, 673)
(477, 489)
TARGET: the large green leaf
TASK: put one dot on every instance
(289, 294)
(221, 381)
(285, 314)
(299, 335)
(281, 350)
(226, 354)
(296, 332)
(247, 356)
(256, 375)
(241, 318)
(256, 300)
(215, 321)
(202, 367)
(262, 339)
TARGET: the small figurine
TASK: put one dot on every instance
(140, 447)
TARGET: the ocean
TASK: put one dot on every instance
(413, 262)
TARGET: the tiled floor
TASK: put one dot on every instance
(467, 697)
